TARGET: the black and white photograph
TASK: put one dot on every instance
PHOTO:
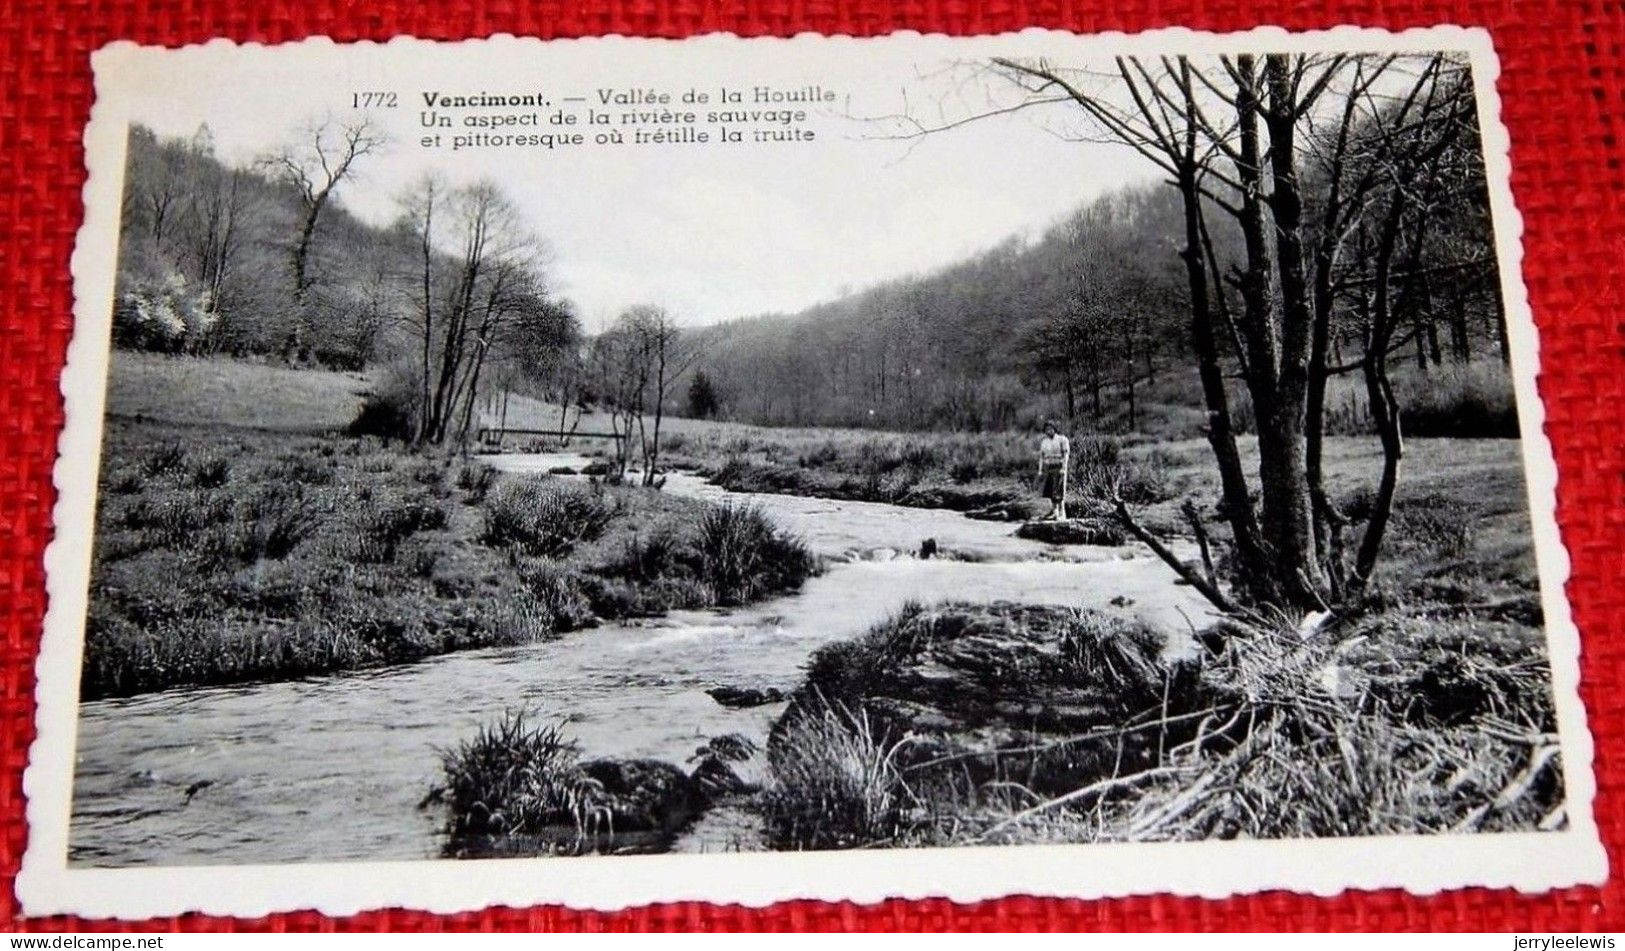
(602, 471)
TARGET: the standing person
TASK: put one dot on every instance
(1054, 456)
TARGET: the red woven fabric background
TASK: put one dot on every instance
(1563, 89)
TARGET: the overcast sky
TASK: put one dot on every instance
(711, 232)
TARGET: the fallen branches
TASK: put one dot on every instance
(1093, 789)
(1520, 786)
(1207, 588)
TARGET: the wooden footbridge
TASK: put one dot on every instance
(494, 430)
(497, 435)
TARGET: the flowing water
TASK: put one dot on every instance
(334, 767)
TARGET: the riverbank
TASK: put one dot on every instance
(968, 724)
(230, 556)
(988, 475)
(956, 724)
(992, 475)
(964, 722)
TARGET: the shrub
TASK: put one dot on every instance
(273, 521)
(835, 782)
(546, 518)
(162, 459)
(1126, 654)
(878, 457)
(819, 456)
(648, 558)
(421, 560)
(742, 553)
(124, 480)
(170, 518)
(1095, 465)
(381, 527)
(210, 471)
(921, 456)
(513, 777)
(306, 467)
(164, 312)
(1465, 401)
(429, 473)
(1101, 470)
(476, 479)
(562, 592)
(390, 410)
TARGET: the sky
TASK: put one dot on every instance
(710, 232)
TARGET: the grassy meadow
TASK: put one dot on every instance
(231, 394)
(228, 552)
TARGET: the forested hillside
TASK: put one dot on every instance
(988, 343)
(206, 254)
(1090, 320)
(260, 260)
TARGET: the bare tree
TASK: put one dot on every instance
(421, 203)
(217, 233)
(315, 164)
(478, 274)
(1230, 135)
(618, 369)
(665, 353)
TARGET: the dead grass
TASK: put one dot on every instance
(1391, 726)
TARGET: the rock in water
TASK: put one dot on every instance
(644, 794)
(1074, 531)
(994, 513)
(741, 697)
(714, 771)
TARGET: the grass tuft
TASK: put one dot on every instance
(516, 777)
(837, 782)
(546, 518)
(742, 554)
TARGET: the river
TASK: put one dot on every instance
(333, 768)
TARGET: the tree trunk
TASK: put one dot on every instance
(427, 251)
(302, 324)
(1238, 506)
(1460, 347)
(652, 456)
(1384, 409)
(1283, 460)
(1499, 315)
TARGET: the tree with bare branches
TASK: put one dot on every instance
(314, 164)
(1235, 136)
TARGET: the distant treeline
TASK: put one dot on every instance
(1089, 321)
